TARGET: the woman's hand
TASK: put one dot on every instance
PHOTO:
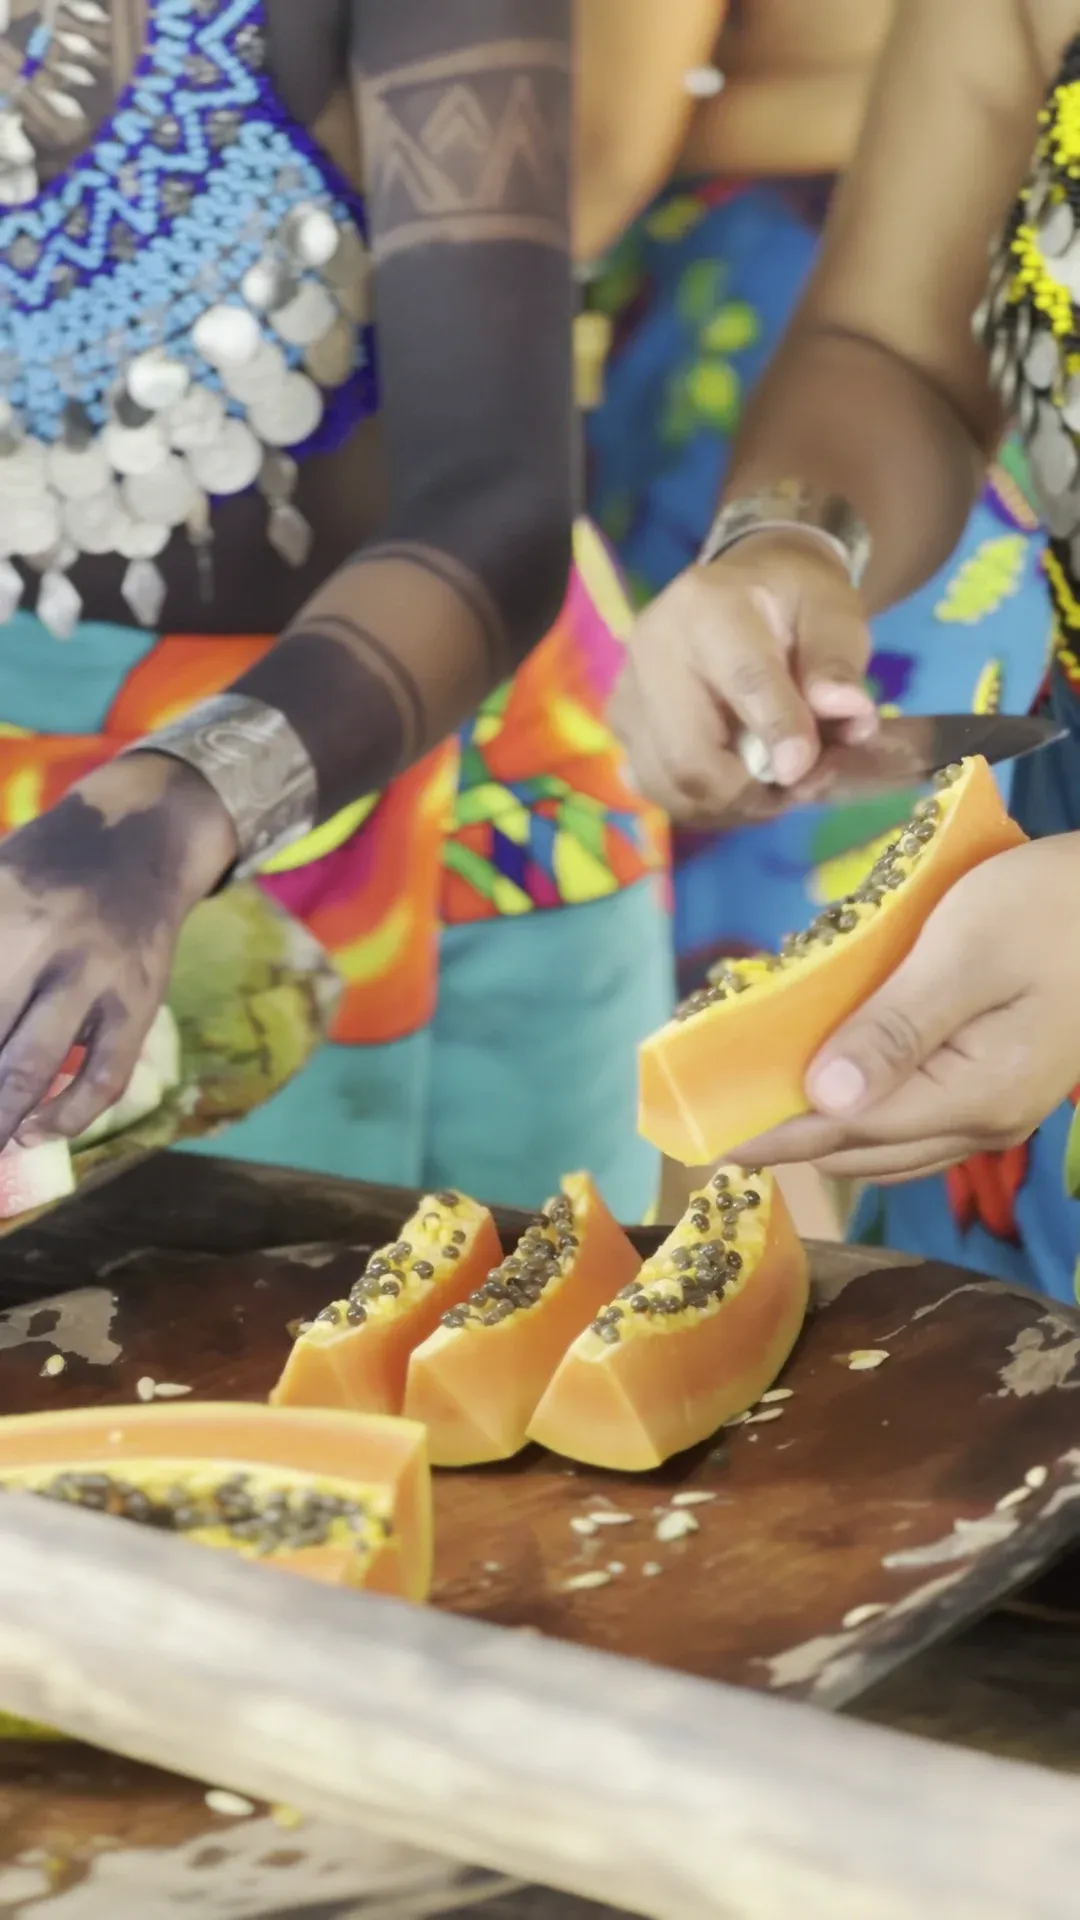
(92, 897)
(969, 1045)
(769, 639)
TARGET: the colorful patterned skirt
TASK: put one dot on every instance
(499, 916)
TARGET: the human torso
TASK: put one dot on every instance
(98, 46)
(795, 83)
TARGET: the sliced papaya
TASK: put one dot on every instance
(696, 1338)
(733, 1061)
(476, 1382)
(344, 1498)
(356, 1353)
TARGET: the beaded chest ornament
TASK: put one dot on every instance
(183, 309)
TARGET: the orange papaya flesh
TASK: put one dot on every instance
(698, 1337)
(343, 1498)
(356, 1353)
(476, 1382)
(733, 1061)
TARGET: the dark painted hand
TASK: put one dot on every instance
(92, 898)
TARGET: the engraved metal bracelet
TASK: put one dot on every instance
(791, 507)
(257, 765)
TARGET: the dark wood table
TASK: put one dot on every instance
(85, 1836)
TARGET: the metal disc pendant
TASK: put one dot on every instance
(155, 380)
(141, 539)
(79, 475)
(25, 471)
(135, 449)
(144, 589)
(30, 526)
(269, 283)
(1061, 515)
(196, 420)
(1054, 459)
(1056, 229)
(92, 525)
(1042, 360)
(1027, 412)
(166, 495)
(311, 235)
(231, 464)
(1067, 270)
(290, 414)
(227, 336)
(308, 317)
(266, 370)
(332, 359)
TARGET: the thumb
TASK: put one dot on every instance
(926, 1001)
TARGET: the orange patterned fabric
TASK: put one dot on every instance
(528, 808)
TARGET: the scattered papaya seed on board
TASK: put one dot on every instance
(232, 1806)
(768, 1413)
(651, 1569)
(1012, 1499)
(581, 1582)
(54, 1364)
(776, 1393)
(605, 1518)
(1036, 1477)
(583, 1524)
(616, 1567)
(170, 1390)
(692, 1499)
(145, 1388)
(865, 1359)
(737, 1419)
(676, 1526)
(860, 1615)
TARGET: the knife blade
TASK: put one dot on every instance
(906, 752)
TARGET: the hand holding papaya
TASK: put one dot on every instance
(970, 1044)
(769, 639)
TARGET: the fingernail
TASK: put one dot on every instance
(837, 1087)
(840, 697)
(790, 760)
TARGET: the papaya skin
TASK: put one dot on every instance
(664, 1383)
(736, 1069)
(475, 1386)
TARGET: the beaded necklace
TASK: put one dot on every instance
(183, 315)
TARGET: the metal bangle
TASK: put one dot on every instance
(791, 507)
(257, 765)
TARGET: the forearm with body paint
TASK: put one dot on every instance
(466, 119)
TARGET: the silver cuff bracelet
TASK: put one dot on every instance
(790, 507)
(258, 767)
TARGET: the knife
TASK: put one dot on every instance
(906, 752)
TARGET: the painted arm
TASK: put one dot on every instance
(466, 112)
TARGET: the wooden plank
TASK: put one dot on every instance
(667, 1796)
(830, 1545)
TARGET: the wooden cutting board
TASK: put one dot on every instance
(873, 1512)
